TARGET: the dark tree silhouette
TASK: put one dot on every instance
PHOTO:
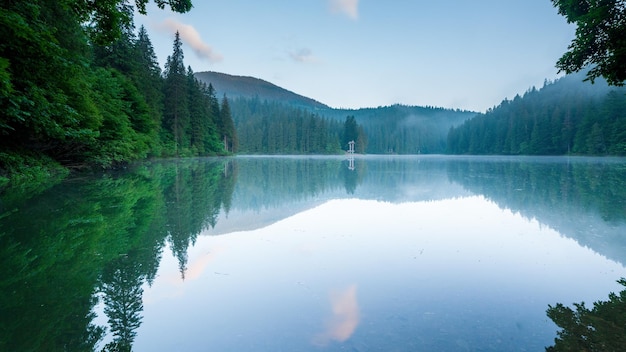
(602, 328)
(600, 38)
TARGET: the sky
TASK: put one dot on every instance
(455, 54)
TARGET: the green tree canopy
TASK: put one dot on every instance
(107, 17)
(600, 38)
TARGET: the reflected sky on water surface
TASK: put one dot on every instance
(451, 274)
(386, 253)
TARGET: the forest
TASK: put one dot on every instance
(81, 87)
(402, 129)
(567, 116)
(76, 93)
(277, 127)
(271, 127)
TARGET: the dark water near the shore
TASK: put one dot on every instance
(310, 254)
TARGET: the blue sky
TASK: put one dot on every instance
(368, 53)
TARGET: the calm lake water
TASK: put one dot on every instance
(419, 253)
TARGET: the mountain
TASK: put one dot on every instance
(250, 87)
(395, 129)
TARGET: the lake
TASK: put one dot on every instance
(376, 253)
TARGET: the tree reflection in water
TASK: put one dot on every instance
(601, 328)
(83, 239)
(121, 283)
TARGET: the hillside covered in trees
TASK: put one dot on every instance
(251, 87)
(568, 116)
(80, 93)
(402, 129)
(272, 120)
(81, 86)
(272, 127)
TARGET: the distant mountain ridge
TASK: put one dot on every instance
(251, 87)
(394, 129)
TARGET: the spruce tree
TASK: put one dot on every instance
(149, 83)
(176, 106)
(229, 135)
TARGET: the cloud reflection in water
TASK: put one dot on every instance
(345, 317)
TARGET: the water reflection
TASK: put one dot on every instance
(121, 288)
(601, 328)
(582, 198)
(415, 281)
(99, 236)
(344, 319)
(401, 252)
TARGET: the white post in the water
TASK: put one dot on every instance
(351, 155)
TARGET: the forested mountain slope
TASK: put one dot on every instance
(270, 119)
(402, 129)
(567, 116)
(250, 87)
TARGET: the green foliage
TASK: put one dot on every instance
(600, 38)
(564, 117)
(602, 328)
(29, 172)
(107, 17)
(400, 129)
(192, 123)
(176, 89)
(227, 127)
(97, 236)
(44, 45)
(94, 95)
(350, 132)
(274, 128)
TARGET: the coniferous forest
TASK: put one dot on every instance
(269, 127)
(81, 86)
(568, 116)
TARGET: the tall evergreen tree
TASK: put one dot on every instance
(229, 135)
(120, 54)
(176, 105)
(149, 82)
(203, 132)
(350, 131)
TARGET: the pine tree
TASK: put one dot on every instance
(149, 83)
(176, 106)
(228, 132)
(120, 54)
(350, 131)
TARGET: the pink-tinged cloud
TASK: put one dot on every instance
(198, 266)
(345, 317)
(190, 36)
(349, 8)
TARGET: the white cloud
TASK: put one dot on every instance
(303, 55)
(191, 37)
(349, 8)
